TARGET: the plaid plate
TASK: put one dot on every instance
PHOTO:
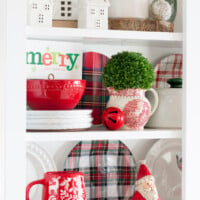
(96, 95)
(109, 169)
(169, 67)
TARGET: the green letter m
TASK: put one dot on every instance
(34, 58)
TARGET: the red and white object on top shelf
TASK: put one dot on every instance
(169, 67)
(93, 14)
(65, 9)
(40, 12)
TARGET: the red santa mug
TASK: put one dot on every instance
(61, 186)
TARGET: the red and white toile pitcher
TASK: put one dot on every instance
(134, 105)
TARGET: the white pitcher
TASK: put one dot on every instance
(134, 105)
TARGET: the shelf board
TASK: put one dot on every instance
(103, 134)
(165, 39)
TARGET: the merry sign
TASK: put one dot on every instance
(63, 59)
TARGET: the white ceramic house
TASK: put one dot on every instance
(40, 12)
(65, 9)
(93, 14)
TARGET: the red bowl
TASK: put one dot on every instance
(54, 94)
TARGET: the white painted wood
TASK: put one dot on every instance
(191, 139)
(104, 134)
(2, 96)
(14, 100)
(129, 9)
(153, 53)
(178, 22)
(162, 39)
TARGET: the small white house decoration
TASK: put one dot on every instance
(65, 9)
(93, 14)
(40, 12)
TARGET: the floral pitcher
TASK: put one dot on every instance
(134, 105)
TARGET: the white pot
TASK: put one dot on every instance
(169, 112)
(129, 8)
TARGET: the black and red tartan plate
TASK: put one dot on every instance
(109, 169)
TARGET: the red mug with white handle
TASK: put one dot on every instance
(61, 186)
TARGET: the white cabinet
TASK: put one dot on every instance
(13, 79)
(153, 45)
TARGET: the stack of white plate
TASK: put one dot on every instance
(59, 120)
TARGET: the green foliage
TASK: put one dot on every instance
(128, 70)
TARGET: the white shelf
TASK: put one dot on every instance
(163, 39)
(104, 134)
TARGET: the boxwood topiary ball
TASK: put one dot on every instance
(128, 70)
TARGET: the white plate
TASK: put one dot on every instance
(60, 117)
(31, 126)
(38, 162)
(75, 113)
(60, 121)
(161, 160)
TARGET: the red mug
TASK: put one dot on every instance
(61, 186)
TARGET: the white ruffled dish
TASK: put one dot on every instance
(161, 160)
(38, 162)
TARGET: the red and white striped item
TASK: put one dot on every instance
(168, 67)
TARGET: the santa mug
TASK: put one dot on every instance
(61, 186)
